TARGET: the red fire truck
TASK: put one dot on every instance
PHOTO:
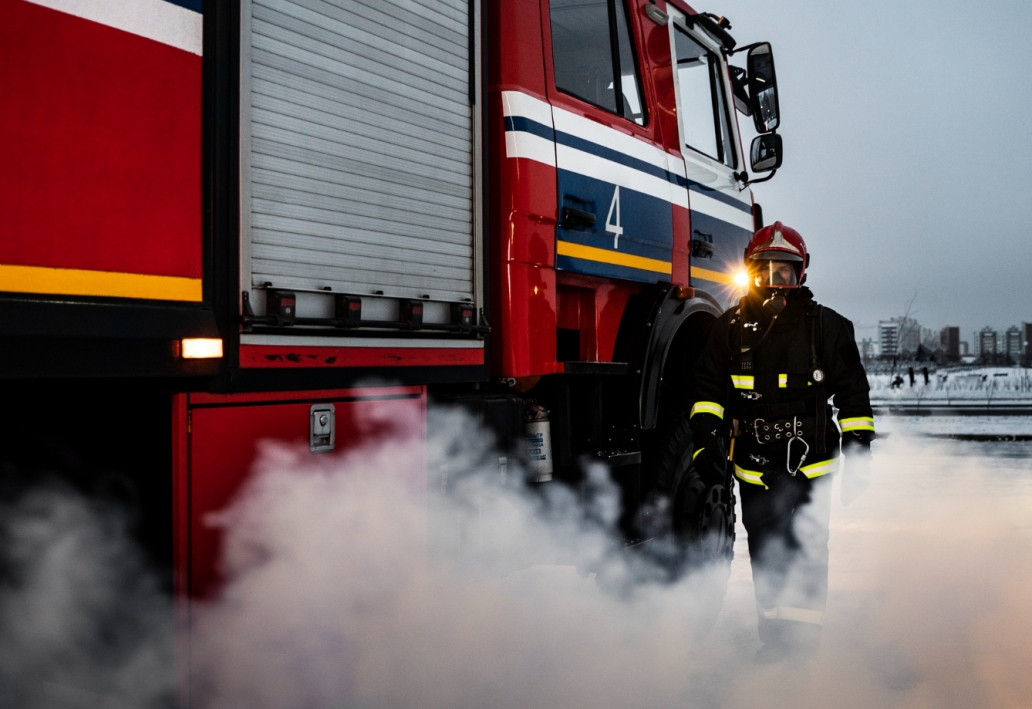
(221, 223)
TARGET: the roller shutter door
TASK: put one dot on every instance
(357, 147)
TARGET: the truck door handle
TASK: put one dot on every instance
(577, 219)
(702, 249)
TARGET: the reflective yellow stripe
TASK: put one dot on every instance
(799, 615)
(824, 467)
(107, 284)
(743, 381)
(716, 276)
(783, 382)
(616, 258)
(707, 407)
(696, 453)
(750, 476)
(857, 423)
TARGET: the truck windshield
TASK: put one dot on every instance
(704, 116)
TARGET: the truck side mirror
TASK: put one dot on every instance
(763, 88)
(765, 153)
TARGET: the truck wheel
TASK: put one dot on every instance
(702, 517)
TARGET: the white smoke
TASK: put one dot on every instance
(360, 581)
(82, 621)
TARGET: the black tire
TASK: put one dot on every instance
(701, 517)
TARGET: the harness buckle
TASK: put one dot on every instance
(756, 429)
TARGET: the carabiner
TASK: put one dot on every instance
(788, 456)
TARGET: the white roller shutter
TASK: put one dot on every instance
(357, 147)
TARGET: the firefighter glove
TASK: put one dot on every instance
(711, 462)
(706, 429)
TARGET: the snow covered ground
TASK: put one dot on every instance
(949, 426)
(965, 388)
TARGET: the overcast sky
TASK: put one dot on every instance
(908, 159)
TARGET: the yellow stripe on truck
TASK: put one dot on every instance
(615, 258)
(105, 284)
(706, 274)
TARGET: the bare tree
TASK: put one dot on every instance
(907, 325)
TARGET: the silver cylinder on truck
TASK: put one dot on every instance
(537, 436)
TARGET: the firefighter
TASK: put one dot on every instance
(764, 380)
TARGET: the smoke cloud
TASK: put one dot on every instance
(362, 582)
(83, 622)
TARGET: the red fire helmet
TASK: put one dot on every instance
(769, 249)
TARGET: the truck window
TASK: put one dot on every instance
(704, 117)
(594, 57)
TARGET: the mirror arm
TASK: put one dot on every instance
(762, 179)
(746, 48)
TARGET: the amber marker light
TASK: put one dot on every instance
(200, 348)
(741, 278)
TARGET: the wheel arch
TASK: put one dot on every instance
(659, 322)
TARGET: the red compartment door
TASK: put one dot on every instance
(220, 448)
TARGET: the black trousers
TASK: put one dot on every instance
(787, 526)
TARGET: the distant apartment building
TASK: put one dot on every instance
(1012, 341)
(868, 349)
(950, 344)
(988, 342)
(888, 338)
(898, 337)
(965, 348)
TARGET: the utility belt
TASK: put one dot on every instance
(776, 430)
(790, 430)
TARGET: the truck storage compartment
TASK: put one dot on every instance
(217, 443)
(359, 157)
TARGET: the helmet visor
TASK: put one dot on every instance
(770, 273)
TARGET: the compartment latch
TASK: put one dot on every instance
(323, 428)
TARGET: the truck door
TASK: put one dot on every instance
(616, 183)
(721, 206)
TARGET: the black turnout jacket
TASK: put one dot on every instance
(766, 381)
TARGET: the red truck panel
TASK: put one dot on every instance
(284, 356)
(220, 447)
(100, 159)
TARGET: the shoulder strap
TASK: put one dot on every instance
(816, 315)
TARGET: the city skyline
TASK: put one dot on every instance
(907, 337)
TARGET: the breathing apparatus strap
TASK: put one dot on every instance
(737, 336)
(815, 314)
